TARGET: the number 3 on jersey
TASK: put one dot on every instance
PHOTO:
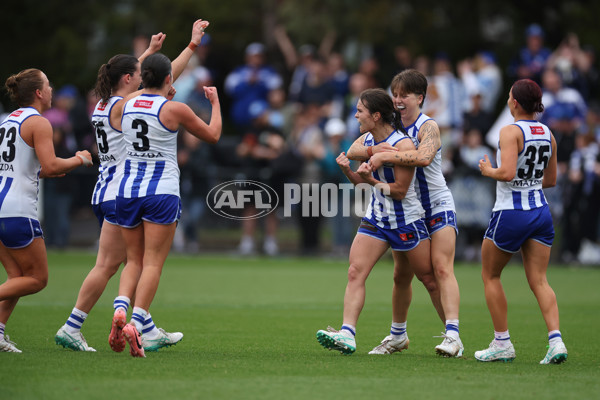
(9, 154)
(536, 159)
(141, 127)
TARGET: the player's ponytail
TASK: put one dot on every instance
(109, 74)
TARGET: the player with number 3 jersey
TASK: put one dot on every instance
(148, 204)
(151, 150)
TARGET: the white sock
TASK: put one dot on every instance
(149, 329)
(398, 330)
(502, 339)
(121, 302)
(2, 328)
(349, 329)
(138, 317)
(554, 337)
(452, 328)
(75, 321)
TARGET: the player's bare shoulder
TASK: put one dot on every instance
(405, 144)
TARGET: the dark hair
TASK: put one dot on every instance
(155, 69)
(529, 95)
(21, 87)
(378, 100)
(410, 81)
(110, 74)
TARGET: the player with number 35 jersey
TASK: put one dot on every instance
(111, 151)
(524, 191)
(521, 220)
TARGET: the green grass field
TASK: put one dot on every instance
(250, 325)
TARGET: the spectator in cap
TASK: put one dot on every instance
(531, 59)
(249, 83)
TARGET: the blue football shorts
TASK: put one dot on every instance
(441, 220)
(106, 211)
(509, 229)
(400, 239)
(19, 232)
(161, 209)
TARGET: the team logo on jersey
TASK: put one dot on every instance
(229, 199)
(406, 236)
(537, 130)
(143, 103)
(16, 113)
(102, 106)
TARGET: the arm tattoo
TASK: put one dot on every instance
(430, 143)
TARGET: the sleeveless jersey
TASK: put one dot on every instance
(111, 152)
(524, 192)
(384, 211)
(430, 183)
(19, 168)
(151, 150)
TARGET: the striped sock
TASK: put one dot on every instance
(121, 302)
(554, 337)
(398, 330)
(2, 328)
(351, 329)
(452, 328)
(502, 339)
(138, 317)
(75, 320)
(149, 329)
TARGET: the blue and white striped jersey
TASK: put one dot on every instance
(524, 192)
(19, 168)
(384, 211)
(111, 152)
(430, 184)
(151, 150)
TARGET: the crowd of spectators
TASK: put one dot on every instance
(288, 124)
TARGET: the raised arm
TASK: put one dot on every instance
(156, 43)
(179, 64)
(430, 143)
(179, 113)
(285, 46)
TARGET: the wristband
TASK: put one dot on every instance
(370, 151)
(84, 160)
(192, 46)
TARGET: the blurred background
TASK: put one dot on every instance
(288, 75)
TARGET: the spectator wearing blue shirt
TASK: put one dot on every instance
(249, 83)
(531, 59)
